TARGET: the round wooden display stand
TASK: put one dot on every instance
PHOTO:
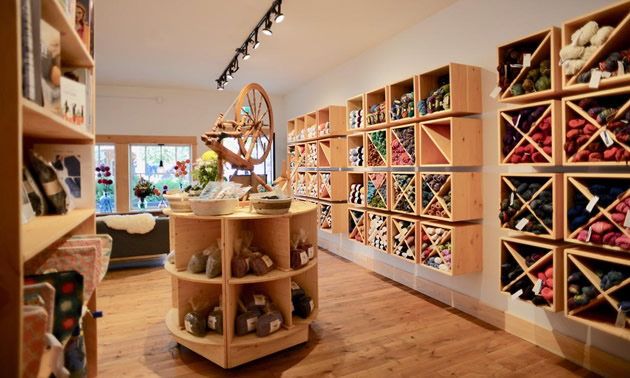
(190, 234)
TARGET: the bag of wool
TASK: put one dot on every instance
(269, 322)
(255, 301)
(197, 263)
(261, 264)
(215, 319)
(247, 320)
(299, 257)
(213, 263)
(303, 306)
(195, 320)
(296, 291)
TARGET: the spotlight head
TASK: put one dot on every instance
(267, 29)
(229, 75)
(246, 56)
(220, 84)
(255, 42)
(279, 18)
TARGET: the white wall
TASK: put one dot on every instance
(467, 32)
(171, 111)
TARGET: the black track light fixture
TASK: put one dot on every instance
(267, 29)
(279, 16)
(255, 42)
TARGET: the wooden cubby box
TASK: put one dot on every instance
(539, 190)
(523, 259)
(404, 143)
(581, 269)
(585, 136)
(301, 129)
(403, 234)
(300, 154)
(375, 108)
(404, 187)
(605, 222)
(310, 126)
(377, 157)
(544, 45)
(332, 153)
(355, 187)
(377, 190)
(457, 245)
(292, 158)
(465, 90)
(451, 196)
(354, 111)
(332, 185)
(333, 217)
(292, 132)
(395, 92)
(377, 231)
(356, 225)
(540, 143)
(331, 121)
(354, 141)
(299, 184)
(312, 184)
(452, 142)
(617, 16)
(310, 151)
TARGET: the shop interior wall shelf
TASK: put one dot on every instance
(376, 190)
(451, 196)
(356, 225)
(356, 142)
(356, 188)
(404, 145)
(377, 231)
(452, 142)
(355, 116)
(403, 233)
(451, 248)
(375, 108)
(332, 152)
(404, 192)
(332, 185)
(333, 217)
(377, 148)
(401, 107)
(331, 121)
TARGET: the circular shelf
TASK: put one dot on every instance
(275, 274)
(297, 208)
(251, 338)
(172, 324)
(311, 318)
(192, 277)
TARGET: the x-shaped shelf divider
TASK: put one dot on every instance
(325, 211)
(527, 136)
(373, 218)
(403, 240)
(301, 153)
(527, 270)
(395, 133)
(439, 196)
(542, 51)
(325, 147)
(439, 140)
(371, 143)
(445, 238)
(526, 204)
(377, 189)
(403, 193)
(358, 221)
(325, 184)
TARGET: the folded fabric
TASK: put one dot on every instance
(45, 292)
(133, 224)
(106, 249)
(35, 320)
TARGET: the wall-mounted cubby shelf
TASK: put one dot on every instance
(375, 108)
(298, 186)
(355, 115)
(451, 196)
(331, 121)
(311, 155)
(404, 192)
(333, 217)
(310, 125)
(596, 284)
(356, 188)
(450, 90)
(451, 248)
(312, 184)
(293, 134)
(607, 196)
(616, 16)
(332, 185)
(292, 158)
(356, 150)
(377, 231)
(524, 261)
(377, 148)
(530, 134)
(403, 233)
(536, 197)
(536, 81)
(453, 142)
(401, 106)
(300, 153)
(356, 225)
(332, 152)
(594, 128)
(404, 144)
(376, 190)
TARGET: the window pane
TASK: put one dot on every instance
(137, 159)
(183, 153)
(105, 158)
(168, 156)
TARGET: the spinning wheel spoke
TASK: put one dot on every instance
(255, 138)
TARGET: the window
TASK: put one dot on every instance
(105, 156)
(145, 161)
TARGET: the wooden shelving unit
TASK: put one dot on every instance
(452, 142)
(522, 260)
(465, 249)
(335, 117)
(541, 121)
(312, 184)
(332, 185)
(357, 225)
(301, 129)
(457, 198)
(375, 156)
(272, 234)
(404, 233)
(404, 188)
(404, 146)
(310, 151)
(394, 92)
(355, 178)
(310, 126)
(377, 231)
(292, 131)
(332, 153)
(377, 190)
(544, 45)
(529, 203)
(355, 141)
(355, 104)
(28, 123)
(333, 217)
(375, 108)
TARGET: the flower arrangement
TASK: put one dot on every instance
(145, 188)
(181, 170)
(206, 168)
(103, 172)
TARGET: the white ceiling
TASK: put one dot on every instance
(189, 43)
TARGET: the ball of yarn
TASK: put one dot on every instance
(588, 51)
(571, 67)
(517, 89)
(543, 83)
(601, 36)
(571, 52)
(545, 67)
(584, 34)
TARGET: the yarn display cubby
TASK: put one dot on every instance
(377, 100)
(465, 246)
(544, 45)
(332, 152)
(292, 157)
(584, 139)
(356, 178)
(353, 105)
(452, 142)
(581, 268)
(617, 16)
(465, 89)
(334, 117)
(292, 132)
(605, 223)
(541, 144)
(333, 217)
(377, 231)
(310, 126)
(403, 233)
(300, 129)
(354, 141)
(543, 189)
(404, 144)
(356, 225)
(404, 192)
(312, 184)
(377, 148)
(298, 185)
(301, 155)
(394, 92)
(310, 151)
(377, 190)
(464, 189)
(332, 185)
(522, 259)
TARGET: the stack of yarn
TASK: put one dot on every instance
(376, 195)
(291, 136)
(312, 187)
(510, 66)
(404, 183)
(356, 228)
(536, 80)
(611, 65)
(311, 157)
(525, 152)
(405, 241)
(427, 194)
(300, 135)
(403, 146)
(581, 291)
(324, 128)
(303, 305)
(438, 100)
(441, 261)
(377, 234)
(357, 194)
(377, 148)
(377, 114)
(541, 205)
(301, 185)
(325, 218)
(355, 156)
(356, 119)
(324, 185)
(402, 107)
(585, 42)
(311, 132)
(433, 183)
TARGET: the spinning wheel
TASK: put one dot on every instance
(252, 126)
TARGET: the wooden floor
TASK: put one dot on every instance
(367, 326)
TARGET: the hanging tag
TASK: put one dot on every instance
(596, 76)
(592, 203)
(606, 74)
(537, 287)
(626, 223)
(606, 138)
(515, 66)
(527, 60)
(517, 294)
(621, 69)
(621, 320)
(511, 198)
(495, 92)
(590, 232)
(521, 224)
(518, 120)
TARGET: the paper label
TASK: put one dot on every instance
(311, 252)
(621, 69)
(596, 76)
(311, 304)
(267, 261)
(274, 325)
(621, 320)
(537, 287)
(511, 198)
(495, 92)
(515, 66)
(188, 326)
(626, 223)
(590, 233)
(52, 187)
(521, 224)
(527, 60)
(251, 324)
(212, 322)
(606, 138)
(217, 309)
(517, 294)
(592, 203)
(294, 285)
(303, 258)
(259, 300)
(518, 120)
(606, 74)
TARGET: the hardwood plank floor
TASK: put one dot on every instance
(368, 326)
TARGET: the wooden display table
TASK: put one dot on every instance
(190, 234)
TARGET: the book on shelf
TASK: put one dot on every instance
(31, 64)
(50, 67)
(69, 8)
(84, 23)
(83, 105)
(73, 101)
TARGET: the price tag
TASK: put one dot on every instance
(596, 76)
(592, 203)
(527, 60)
(521, 224)
(621, 320)
(590, 232)
(606, 74)
(511, 198)
(515, 66)
(537, 287)
(626, 223)
(621, 69)
(517, 294)
(495, 92)
(518, 120)
(606, 138)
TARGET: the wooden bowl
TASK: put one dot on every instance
(271, 206)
